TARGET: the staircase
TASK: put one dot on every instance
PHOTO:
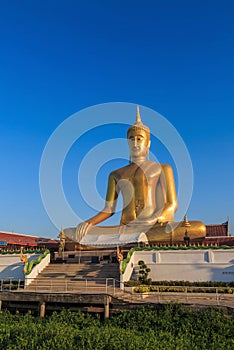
(78, 278)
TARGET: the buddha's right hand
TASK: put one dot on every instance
(82, 229)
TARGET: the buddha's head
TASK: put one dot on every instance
(138, 138)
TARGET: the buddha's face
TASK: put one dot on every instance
(139, 143)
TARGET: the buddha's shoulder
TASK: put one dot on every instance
(166, 167)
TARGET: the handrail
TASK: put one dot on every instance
(94, 286)
(110, 288)
(182, 289)
(86, 285)
(11, 284)
(83, 255)
(106, 285)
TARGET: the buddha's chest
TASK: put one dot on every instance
(139, 176)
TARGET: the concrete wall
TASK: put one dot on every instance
(189, 265)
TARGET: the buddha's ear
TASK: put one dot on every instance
(149, 143)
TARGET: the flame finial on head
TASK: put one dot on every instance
(138, 123)
(138, 116)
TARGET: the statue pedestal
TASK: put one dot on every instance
(103, 236)
(127, 234)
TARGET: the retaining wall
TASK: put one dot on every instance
(198, 265)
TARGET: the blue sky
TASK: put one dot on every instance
(58, 57)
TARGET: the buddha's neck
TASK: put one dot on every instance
(138, 160)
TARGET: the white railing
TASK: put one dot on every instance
(185, 297)
(80, 256)
(75, 285)
(110, 286)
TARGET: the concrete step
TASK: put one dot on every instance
(81, 270)
(82, 278)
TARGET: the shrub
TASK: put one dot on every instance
(132, 283)
(142, 289)
(144, 272)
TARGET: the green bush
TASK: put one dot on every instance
(142, 289)
(25, 251)
(170, 327)
(195, 284)
(132, 283)
(182, 286)
(144, 272)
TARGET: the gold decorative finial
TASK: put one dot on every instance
(138, 116)
(138, 125)
(61, 235)
(62, 242)
(186, 223)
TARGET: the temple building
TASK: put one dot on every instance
(219, 234)
(14, 241)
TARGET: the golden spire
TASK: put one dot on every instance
(138, 116)
(186, 223)
(138, 123)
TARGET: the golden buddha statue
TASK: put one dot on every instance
(149, 196)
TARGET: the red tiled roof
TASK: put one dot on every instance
(24, 240)
(229, 240)
(217, 230)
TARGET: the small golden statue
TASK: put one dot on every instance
(149, 196)
(23, 257)
(62, 241)
(119, 255)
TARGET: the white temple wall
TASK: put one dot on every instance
(189, 265)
